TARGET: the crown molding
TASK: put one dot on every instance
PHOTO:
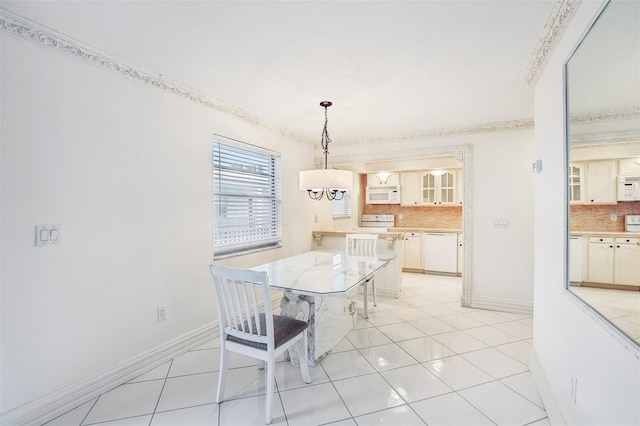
(606, 115)
(556, 24)
(501, 126)
(47, 38)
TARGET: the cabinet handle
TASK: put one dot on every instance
(617, 246)
(610, 246)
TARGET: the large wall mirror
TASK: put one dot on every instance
(603, 169)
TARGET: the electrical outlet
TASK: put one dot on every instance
(162, 313)
(614, 217)
(574, 390)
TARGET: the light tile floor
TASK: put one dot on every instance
(420, 359)
(621, 307)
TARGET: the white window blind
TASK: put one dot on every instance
(246, 198)
(342, 207)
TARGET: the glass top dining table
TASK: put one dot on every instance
(322, 272)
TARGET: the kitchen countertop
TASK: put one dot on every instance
(392, 234)
(415, 229)
(604, 234)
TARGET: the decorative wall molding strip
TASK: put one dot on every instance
(62, 400)
(43, 36)
(556, 24)
(462, 153)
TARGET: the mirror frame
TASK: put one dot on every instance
(599, 319)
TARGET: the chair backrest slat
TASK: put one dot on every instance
(238, 295)
(361, 244)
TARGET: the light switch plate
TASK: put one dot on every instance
(47, 235)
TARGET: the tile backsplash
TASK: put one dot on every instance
(598, 217)
(420, 216)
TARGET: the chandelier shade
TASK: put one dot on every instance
(316, 180)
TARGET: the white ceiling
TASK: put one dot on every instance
(389, 67)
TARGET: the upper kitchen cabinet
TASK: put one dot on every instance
(593, 182)
(601, 184)
(629, 167)
(576, 183)
(439, 187)
(383, 179)
(410, 189)
(430, 188)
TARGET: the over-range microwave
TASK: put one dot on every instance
(628, 188)
(383, 194)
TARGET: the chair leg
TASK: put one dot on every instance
(221, 374)
(270, 379)
(366, 301)
(304, 358)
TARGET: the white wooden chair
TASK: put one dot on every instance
(250, 330)
(364, 245)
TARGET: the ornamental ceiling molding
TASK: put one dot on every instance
(604, 138)
(501, 126)
(47, 38)
(606, 115)
(556, 24)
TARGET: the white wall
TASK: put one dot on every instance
(569, 342)
(125, 170)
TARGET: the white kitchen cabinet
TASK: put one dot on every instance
(410, 189)
(460, 255)
(576, 183)
(438, 187)
(614, 261)
(412, 245)
(601, 182)
(576, 256)
(629, 166)
(460, 186)
(601, 260)
(627, 261)
(383, 179)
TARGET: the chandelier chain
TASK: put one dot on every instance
(325, 140)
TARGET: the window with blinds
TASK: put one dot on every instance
(246, 198)
(342, 207)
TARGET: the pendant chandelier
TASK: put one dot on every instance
(331, 183)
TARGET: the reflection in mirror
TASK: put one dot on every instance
(603, 132)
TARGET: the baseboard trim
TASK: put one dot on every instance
(504, 305)
(550, 405)
(59, 402)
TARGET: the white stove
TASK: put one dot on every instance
(377, 222)
(632, 223)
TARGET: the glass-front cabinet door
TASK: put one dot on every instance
(447, 188)
(439, 187)
(576, 183)
(429, 190)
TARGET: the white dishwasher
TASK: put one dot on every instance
(441, 252)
